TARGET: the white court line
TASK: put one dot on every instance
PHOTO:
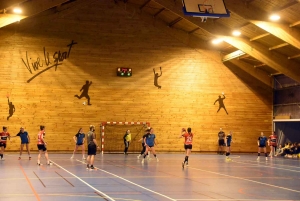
(272, 163)
(260, 165)
(104, 195)
(237, 199)
(131, 182)
(245, 180)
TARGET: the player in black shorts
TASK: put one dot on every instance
(221, 141)
(262, 143)
(143, 143)
(228, 144)
(92, 147)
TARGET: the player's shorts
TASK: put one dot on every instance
(262, 146)
(41, 147)
(150, 146)
(3, 145)
(221, 142)
(79, 144)
(273, 145)
(92, 149)
(188, 146)
(25, 142)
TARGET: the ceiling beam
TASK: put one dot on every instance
(257, 73)
(144, 4)
(294, 57)
(233, 55)
(158, 12)
(278, 46)
(289, 4)
(30, 8)
(259, 65)
(281, 31)
(274, 60)
(294, 24)
(259, 36)
(175, 21)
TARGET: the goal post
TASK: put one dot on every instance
(113, 132)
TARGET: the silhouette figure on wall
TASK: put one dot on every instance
(156, 76)
(85, 91)
(221, 103)
(12, 109)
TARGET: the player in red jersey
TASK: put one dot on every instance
(272, 143)
(41, 144)
(3, 138)
(188, 140)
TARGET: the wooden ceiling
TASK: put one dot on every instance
(273, 47)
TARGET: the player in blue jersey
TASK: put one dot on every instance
(150, 141)
(262, 143)
(228, 141)
(79, 142)
(25, 140)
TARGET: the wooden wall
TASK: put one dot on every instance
(108, 37)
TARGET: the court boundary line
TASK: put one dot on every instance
(83, 181)
(262, 165)
(130, 182)
(241, 178)
(30, 184)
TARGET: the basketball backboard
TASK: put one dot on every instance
(205, 8)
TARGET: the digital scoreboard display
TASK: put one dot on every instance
(124, 72)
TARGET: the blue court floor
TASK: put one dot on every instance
(209, 177)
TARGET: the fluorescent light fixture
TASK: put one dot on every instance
(17, 10)
(274, 17)
(236, 33)
(217, 41)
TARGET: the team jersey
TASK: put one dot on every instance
(80, 137)
(4, 136)
(228, 140)
(150, 140)
(90, 138)
(262, 140)
(273, 140)
(188, 138)
(221, 135)
(41, 137)
(23, 136)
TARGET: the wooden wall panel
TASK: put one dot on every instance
(109, 37)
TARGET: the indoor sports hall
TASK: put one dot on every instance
(144, 100)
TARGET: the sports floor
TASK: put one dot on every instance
(123, 177)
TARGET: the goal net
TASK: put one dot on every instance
(112, 134)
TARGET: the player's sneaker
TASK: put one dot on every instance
(257, 158)
(138, 157)
(72, 157)
(143, 160)
(92, 167)
(183, 165)
(39, 163)
(266, 158)
(19, 158)
(87, 166)
(49, 163)
(83, 158)
(186, 163)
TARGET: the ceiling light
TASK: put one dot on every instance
(17, 10)
(217, 40)
(274, 17)
(236, 33)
